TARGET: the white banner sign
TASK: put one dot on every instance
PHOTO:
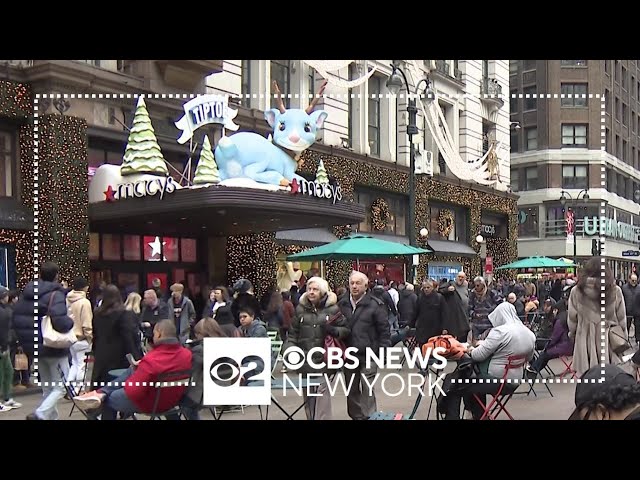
(204, 110)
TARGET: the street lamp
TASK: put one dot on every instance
(395, 83)
(480, 241)
(564, 196)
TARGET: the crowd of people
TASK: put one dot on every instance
(146, 336)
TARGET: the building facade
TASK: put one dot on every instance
(363, 147)
(556, 151)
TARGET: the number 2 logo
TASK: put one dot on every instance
(225, 371)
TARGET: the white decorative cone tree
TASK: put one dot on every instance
(207, 169)
(143, 154)
(321, 174)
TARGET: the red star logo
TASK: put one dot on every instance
(295, 186)
(109, 194)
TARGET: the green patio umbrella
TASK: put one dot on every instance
(536, 262)
(358, 247)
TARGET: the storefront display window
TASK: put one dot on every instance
(388, 271)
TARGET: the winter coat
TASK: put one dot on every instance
(154, 315)
(257, 329)
(187, 315)
(79, 308)
(166, 356)
(430, 317)
(368, 323)
(195, 390)
(407, 307)
(584, 324)
(560, 343)
(479, 310)
(244, 300)
(308, 328)
(5, 326)
(631, 294)
(114, 335)
(455, 319)
(23, 317)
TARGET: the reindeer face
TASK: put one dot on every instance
(295, 129)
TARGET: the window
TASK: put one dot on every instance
(607, 101)
(374, 115)
(513, 67)
(514, 141)
(528, 222)
(529, 64)
(531, 102)
(245, 86)
(575, 176)
(607, 66)
(353, 74)
(456, 234)
(556, 221)
(574, 93)
(574, 135)
(624, 78)
(312, 84)
(625, 115)
(532, 138)
(398, 206)
(8, 162)
(607, 140)
(573, 63)
(625, 147)
(616, 70)
(618, 112)
(280, 72)
(531, 178)
(515, 176)
(513, 102)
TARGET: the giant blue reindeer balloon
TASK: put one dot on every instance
(250, 155)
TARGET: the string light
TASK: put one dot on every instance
(446, 223)
(17, 101)
(380, 214)
(252, 257)
(63, 201)
(23, 242)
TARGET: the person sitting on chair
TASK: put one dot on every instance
(560, 344)
(134, 391)
(508, 337)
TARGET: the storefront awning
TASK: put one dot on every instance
(306, 236)
(220, 211)
(452, 248)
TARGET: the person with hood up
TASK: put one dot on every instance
(508, 337)
(584, 316)
(317, 315)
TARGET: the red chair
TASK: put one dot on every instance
(500, 399)
(568, 367)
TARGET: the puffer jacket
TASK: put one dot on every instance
(308, 328)
(368, 323)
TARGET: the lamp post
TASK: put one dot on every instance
(480, 241)
(573, 202)
(395, 82)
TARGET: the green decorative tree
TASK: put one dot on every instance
(143, 154)
(321, 174)
(207, 169)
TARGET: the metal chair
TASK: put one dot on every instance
(169, 380)
(500, 399)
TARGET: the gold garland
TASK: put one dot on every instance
(380, 214)
(446, 222)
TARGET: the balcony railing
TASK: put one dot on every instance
(558, 228)
(490, 86)
(443, 66)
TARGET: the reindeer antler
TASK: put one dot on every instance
(317, 97)
(279, 98)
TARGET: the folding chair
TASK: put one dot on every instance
(410, 344)
(88, 358)
(72, 393)
(169, 380)
(500, 399)
(568, 367)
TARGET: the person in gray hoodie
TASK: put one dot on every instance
(507, 337)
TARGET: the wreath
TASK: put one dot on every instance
(380, 214)
(445, 223)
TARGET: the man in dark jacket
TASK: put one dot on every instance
(429, 320)
(51, 301)
(243, 297)
(407, 305)
(367, 319)
(153, 311)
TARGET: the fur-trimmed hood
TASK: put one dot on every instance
(328, 300)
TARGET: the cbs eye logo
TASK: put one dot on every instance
(225, 371)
